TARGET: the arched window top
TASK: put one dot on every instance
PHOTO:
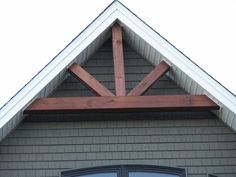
(126, 171)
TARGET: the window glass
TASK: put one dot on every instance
(126, 171)
(210, 175)
(150, 174)
(99, 175)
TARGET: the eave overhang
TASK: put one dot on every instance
(186, 73)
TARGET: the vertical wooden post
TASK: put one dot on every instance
(118, 59)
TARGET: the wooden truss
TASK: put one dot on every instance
(122, 103)
(133, 101)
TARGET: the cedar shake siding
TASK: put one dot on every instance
(45, 145)
(198, 142)
(101, 67)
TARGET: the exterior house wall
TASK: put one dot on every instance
(198, 142)
(45, 145)
(101, 67)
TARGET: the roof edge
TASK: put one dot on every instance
(58, 63)
(116, 10)
(171, 53)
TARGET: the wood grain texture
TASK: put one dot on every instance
(122, 103)
(118, 59)
(150, 79)
(88, 80)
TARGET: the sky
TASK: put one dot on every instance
(33, 32)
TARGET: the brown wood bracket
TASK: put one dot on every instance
(107, 101)
(93, 84)
(150, 79)
(118, 59)
(122, 103)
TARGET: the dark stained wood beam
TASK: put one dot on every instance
(87, 79)
(122, 103)
(118, 59)
(150, 79)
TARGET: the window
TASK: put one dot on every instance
(150, 174)
(211, 175)
(126, 171)
(100, 175)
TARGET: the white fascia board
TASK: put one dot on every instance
(211, 86)
(21, 99)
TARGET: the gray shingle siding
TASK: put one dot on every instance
(198, 142)
(101, 67)
(45, 145)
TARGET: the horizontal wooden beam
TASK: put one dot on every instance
(122, 103)
(150, 79)
(89, 81)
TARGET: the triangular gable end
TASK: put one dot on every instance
(105, 100)
(144, 40)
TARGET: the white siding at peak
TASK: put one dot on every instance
(85, 54)
(233, 125)
(177, 75)
(188, 85)
(157, 59)
(137, 42)
(128, 36)
(152, 55)
(171, 73)
(224, 114)
(182, 80)
(81, 57)
(230, 118)
(141, 46)
(199, 90)
(193, 87)
(141, 49)
(40, 94)
(132, 39)
(185, 82)
(147, 51)
(219, 112)
(49, 88)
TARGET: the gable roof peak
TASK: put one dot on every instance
(143, 39)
